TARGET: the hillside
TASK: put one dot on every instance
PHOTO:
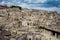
(19, 22)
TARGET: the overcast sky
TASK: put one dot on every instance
(34, 4)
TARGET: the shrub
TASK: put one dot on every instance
(42, 26)
(16, 7)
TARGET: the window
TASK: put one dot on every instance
(29, 38)
(53, 34)
(36, 38)
(27, 23)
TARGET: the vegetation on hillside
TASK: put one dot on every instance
(42, 26)
(15, 7)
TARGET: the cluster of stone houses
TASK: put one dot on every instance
(30, 24)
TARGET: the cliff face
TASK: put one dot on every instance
(14, 20)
